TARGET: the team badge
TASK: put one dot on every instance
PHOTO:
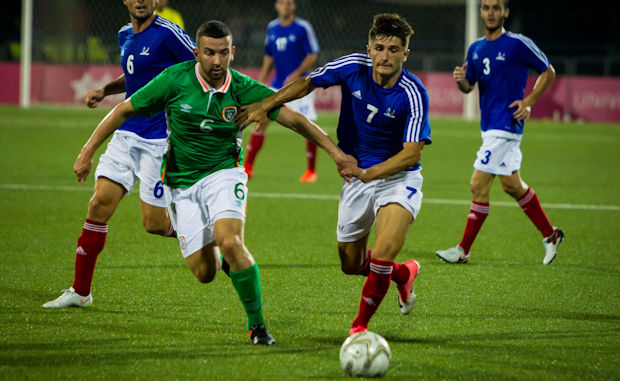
(182, 243)
(390, 113)
(228, 113)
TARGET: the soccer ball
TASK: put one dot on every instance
(365, 354)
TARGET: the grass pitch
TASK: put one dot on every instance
(502, 316)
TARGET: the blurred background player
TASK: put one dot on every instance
(207, 186)
(169, 14)
(384, 124)
(148, 44)
(499, 63)
(291, 47)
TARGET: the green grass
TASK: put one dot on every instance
(502, 316)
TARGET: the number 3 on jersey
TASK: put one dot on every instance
(487, 65)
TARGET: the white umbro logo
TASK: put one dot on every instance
(357, 94)
(185, 107)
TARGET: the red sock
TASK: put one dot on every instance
(530, 204)
(375, 288)
(255, 144)
(477, 214)
(89, 245)
(400, 273)
(311, 155)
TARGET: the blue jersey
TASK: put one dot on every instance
(288, 46)
(143, 56)
(500, 67)
(375, 122)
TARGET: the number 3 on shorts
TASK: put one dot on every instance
(487, 155)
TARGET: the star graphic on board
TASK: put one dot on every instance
(82, 85)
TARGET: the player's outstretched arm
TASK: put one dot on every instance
(93, 97)
(309, 130)
(257, 111)
(408, 156)
(524, 107)
(119, 114)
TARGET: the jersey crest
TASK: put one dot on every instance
(228, 113)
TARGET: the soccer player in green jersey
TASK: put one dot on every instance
(202, 167)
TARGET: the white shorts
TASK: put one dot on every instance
(359, 202)
(194, 210)
(128, 158)
(304, 106)
(499, 156)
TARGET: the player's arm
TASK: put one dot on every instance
(407, 157)
(524, 106)
(303, 68)
(119, 114)
(461, 81)
(93, 97)
(266, 68)
(309, 130)
(255, 112)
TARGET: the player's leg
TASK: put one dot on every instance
(90, 243)
(305, 106)
(392, 225)
(155, 220)
(354, 257)
(244, 275)
(529, 202)
(257, 138)
(205, 263)
(480, 186)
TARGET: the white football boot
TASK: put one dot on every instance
(551, 244)
(454, 254)
(70, 298)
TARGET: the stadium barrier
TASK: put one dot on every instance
(569, 98)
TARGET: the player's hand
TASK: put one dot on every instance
(345, 165)
(93, 97)
(261, 125)
(522, 112)
(459, 73)
(249, 114)
(82, 166)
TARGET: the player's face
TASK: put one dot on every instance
(140, 9)
(493, 14)
(388, 55)
(214, 56)
(285, 8)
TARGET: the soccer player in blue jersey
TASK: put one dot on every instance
(383, 124)
(148, 45)
(499, 63)
(292, 48)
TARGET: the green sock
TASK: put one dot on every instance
(247, 284)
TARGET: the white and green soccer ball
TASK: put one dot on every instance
(365, 354)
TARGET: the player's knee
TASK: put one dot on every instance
(512, 190)
(153, 226)
(204, 274)
(230, 247)
(101, 204)
(478, 190)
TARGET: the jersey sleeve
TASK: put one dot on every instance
(152, 98)
(470, 73)
(252, 91)
(267, 50)
(310, 42)
(531, 56)
(335, 72)
(180, 44)
(417, 125)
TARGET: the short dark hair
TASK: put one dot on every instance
(390, 25)
(214, 29)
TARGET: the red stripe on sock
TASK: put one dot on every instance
(254, 145)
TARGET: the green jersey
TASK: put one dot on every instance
(202, 135)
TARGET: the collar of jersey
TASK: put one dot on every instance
(205, 86)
